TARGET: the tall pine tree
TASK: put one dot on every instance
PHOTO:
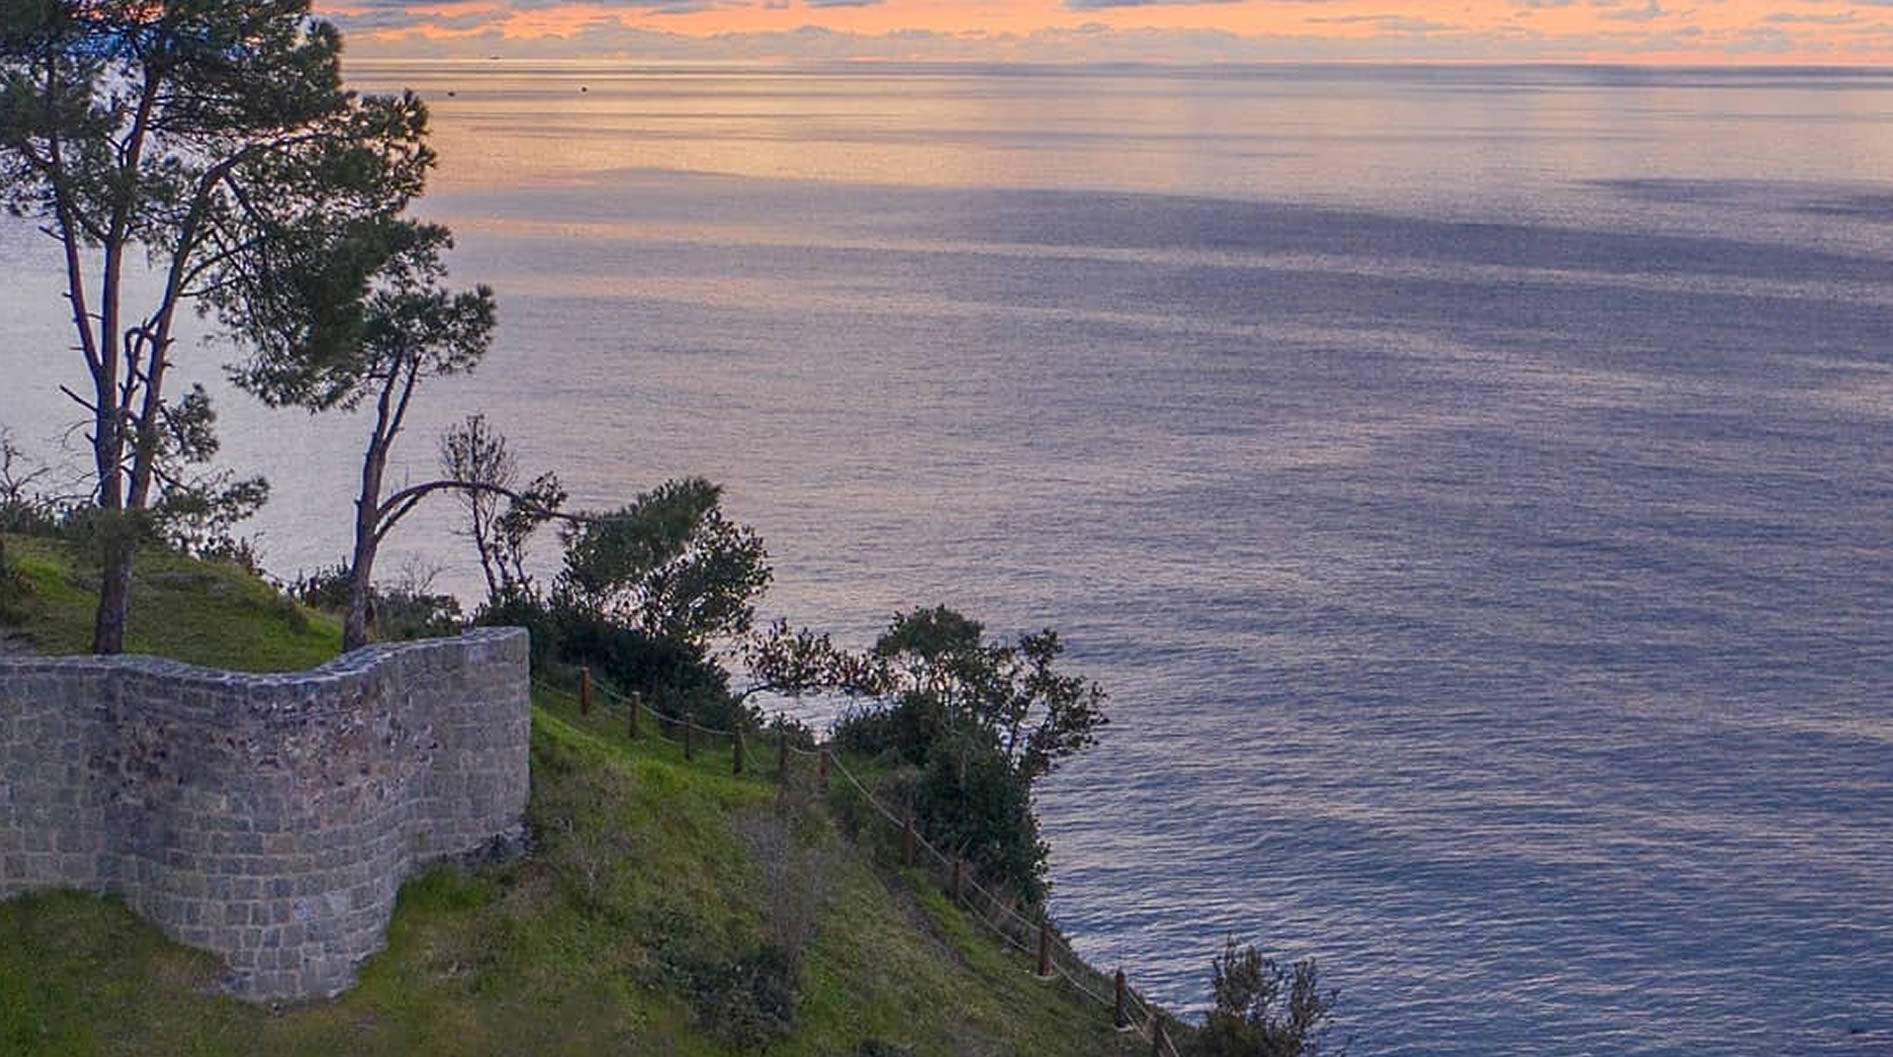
(211, 143)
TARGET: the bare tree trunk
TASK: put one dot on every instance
(115, 539)
(113, 528)
(114, 612)
(114, 397)
(358, 623)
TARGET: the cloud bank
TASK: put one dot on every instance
(1839, 32)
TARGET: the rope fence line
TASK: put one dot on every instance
(1053, 952)
(690, 734)
(1035, 939)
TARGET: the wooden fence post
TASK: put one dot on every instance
(959, 882)
(690, 735)
(907, 840)
(1157, 1035)
(1045, 950)
(636, 701)
(1121, 1015)
(821, 766)
(736, 750)
(585, 691)
(782, 752)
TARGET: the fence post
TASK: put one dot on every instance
(585, 691)
(782, 751)
(736, 748)
(1157, 1035)
(690, 735)
(1045, 950)
(636, 703)
(959, 871)
(1121, 1016)
(821, 766)
(907, 840)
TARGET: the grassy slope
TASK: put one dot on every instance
(583, 948)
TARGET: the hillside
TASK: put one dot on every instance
(633, 928)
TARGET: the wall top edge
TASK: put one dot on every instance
(353, 663)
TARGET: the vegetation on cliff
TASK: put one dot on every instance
(640, 924)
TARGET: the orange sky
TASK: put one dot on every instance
(1702, 31)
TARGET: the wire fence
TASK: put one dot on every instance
(1002, 914)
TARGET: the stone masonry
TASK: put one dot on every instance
(267, 818)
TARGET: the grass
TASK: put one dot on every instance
(205, 613)
(650, 880)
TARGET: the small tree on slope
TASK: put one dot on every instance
(1265, 1009)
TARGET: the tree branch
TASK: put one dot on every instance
(66, 216)
(398, 505)
(80, 400)
(415, 493)
(407, 395)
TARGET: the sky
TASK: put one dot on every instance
(1723, 32)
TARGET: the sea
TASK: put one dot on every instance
(1473, 485)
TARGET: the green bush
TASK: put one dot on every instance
(24, 509)
(401, 614)
(975, 723)
(977, 806)
(404, 611)
(670, 676)
(1266, 1009)
(749, 1003)
(904, 730)
(27, 518)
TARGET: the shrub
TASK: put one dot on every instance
(28, 518)
(904, 730)
(240, 551)
(402, 614)
(24, 509)
(406, 609)
(520, 610)
(672, 677)
(977, 806)
(980, 722)
(749, 1003)
(325, 589)
(1266, 1009)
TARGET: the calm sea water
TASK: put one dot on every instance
(1474, 486)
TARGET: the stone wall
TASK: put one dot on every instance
(267, 818)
